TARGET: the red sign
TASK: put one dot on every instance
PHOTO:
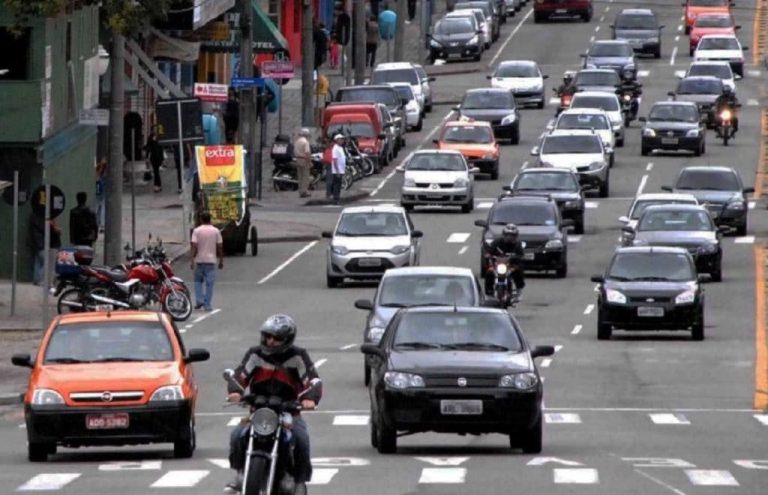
(212, 92)
(219, 156)
(278, 69)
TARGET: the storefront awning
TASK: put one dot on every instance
(266, 37)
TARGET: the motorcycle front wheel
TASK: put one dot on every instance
(257, 476)
(178, 305)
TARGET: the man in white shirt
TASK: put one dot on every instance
(338, 166)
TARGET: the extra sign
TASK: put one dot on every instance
(211, 92)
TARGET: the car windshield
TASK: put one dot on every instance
(395, 75)
(610, 50)
(378, 95)
(413, 290)
(719, 44)
(571, 144)
(589, 78)
(721, 71)
(708, 3)
(675, 220)
(489, 332)
(701, 179)
(582, 121)
(674, 113)
(405, 92)
(455, 25)
(713, 21)
(517, 70)
(707, 86)
(488, 99)
(609, 104)
(640, 205)
(354, 129)
(467, 134)
(436, 161)
(372, 224)
(636, 21)
(525, 214)
(111, 341)
(475, 5)
(541, 181)
(675, 267)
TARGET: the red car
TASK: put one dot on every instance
(695, 8)
(710, 24)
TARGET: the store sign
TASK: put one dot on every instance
(278, 69)
(211, 92)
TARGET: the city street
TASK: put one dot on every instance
(642, 413)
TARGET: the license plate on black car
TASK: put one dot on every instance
(652, 311)
(529, 255)
(461, 407)
(668, 140)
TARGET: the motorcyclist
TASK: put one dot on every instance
(507, 245)
(567, 87)
(727, 99)
(276, 367)
(629, 85)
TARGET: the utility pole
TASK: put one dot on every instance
(247, 112)
(114, 183)
(307, 65)
(400, 10)
(358, 15)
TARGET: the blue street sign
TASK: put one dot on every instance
(247, 82)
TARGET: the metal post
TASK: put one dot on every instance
(401, 11)
(262, 139)
(184, 202)
(423, 26)
(133, 190)
(358, 15)
(114, 190)
(247, 109)
(15, 256)
(280, 109)
(46, 253)
(307, 65)
(347, 62)
(389, 45)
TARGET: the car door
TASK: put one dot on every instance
(415, 241)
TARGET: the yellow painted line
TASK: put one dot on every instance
(761, 344)
(755, 30)
(760, 174)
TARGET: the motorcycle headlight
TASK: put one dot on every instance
(265, 421)
(648, 132)
(509, 119)
(736, 205)
(501, 268)
(474, 40)
(726, 114)
(409, 182)
(460, 182)
(488, 241)
(170, 392)
(46, 397)
(692, 133)
(400, 249)
(520, 381)
(616, 297)
(596, 165)
(686, 297)
(554, 244)
(401, 381)
(627, 98)
(342, 250)
(434, 44)
(707, 249)
(375, 334)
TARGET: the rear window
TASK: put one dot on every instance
(414, 290)
(673, 113)
(467, 134)
(455, 25)
(610, 50)
(354, 129)
(378, 95)
(488, 99)
(636, 21)
(395, 75)
(719, 44)
(708, 3)
(476, 5)
(525, 214)
(372, 224)
(652, 266)
(455, 330)
(609, 104)
(639, 207)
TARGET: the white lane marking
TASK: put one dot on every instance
(591, 39)
(754, 73)
(394, 171)
(558, 347)
(340, 461)
(484, 205)
(597, 28)
(235, 420)
(752, 102)
(763, 418)
(669, 419)
(322, 476)
(543, 461)
(443, 461)
(659, 482)
(640, 188)
(351, 420)
(747, 239)
(444, 475)
(680, 27)
(48, 481)
(751, 205)
(180, 478)
(591, 204)
(643, 73)
(458, 237)
(554, 100)
(677, 38)
(679, 74)
(711, 477)
(287, 262)
(130, 466)
(463, 249)
(546, 362)
(589, 309)
(347, 347)
(562, 418)
(578, 476)
(649, 167)
(222, 463)
(206, 315)
(602, 18)
(511, 35)
(672, 58)
(320, 362)
(573, 239)
(576, 329)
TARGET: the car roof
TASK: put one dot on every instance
(373, 209)
(518, 62)
(610, 42)
(546, 170)
(675, 207)
(453, 309)
(637, 12)
(470, 123)
(696, 78)
(488, 90)
(429, 270)
(96, 316)
(393, 66)
(584, 111)
(722, 35)
(435, 151)
(573, 132)
(709, 62)
(522, 198)
(601, 94)
(595, 69)
(366, 86)
(651, 249)
(709, 168)
(677, 103)
(667, 196)
(463, 12)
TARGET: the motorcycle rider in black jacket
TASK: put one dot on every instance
(507, 245)
(727, 99)
(629, 85)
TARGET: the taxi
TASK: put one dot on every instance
(695, 8)
(475, 140)
(110, 378)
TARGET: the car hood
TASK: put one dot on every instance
(459, 362)
(676, 126)
(469, 150)
(435, 176)
(650, 288)
(558, 196)
(449, 38)
(676, 238)
(381, 316)
(697, 33)
(708, 196)
(529, 232)
(601, 89)
(372, 243)
(601, 61)
(636, 34)
(520, 83)
(571, 160)
(115, 377)
(718, 54)
(486, 114)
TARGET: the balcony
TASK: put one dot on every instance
(20, 109)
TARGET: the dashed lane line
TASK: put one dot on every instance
(660, 483)
(577, 476)
(747, 239)
(458, 237)
(463, 249)
(511, 35)
(711, 477)
(347, 347)
(649, 167)
(443, 475)
(48, 481)
(669, 419)
(206, 315)
(287, 262)
(320, 362)
(181, 478)
(589, 309)
(576, 329)
(672, 58)
(640, 187)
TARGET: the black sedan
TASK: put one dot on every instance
(449, 370)
(494, 105)
(560, 184)
(673, 125)
(686, 226)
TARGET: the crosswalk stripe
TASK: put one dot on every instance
(751, 205)
(131, 466)
(234, 420)
(350, 420)
(763, 418)
(669, 419)
(579, 476)
(554, 101)
(562, 418)
(752, 102)
(747, 239)
(443, 475)
(222, 463)
(180, 478)
(573, 239)
(591, 204)
(484, 205)
(322, 476)
(754, 73)
(48, 481)
(711, 477)
(458, 237)
(643, 73)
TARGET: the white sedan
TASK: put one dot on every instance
(524, 78)
(721, 47)
(588, 119)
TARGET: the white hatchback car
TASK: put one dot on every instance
(607, 102)
(524, 78)
(720, 69)
(437, 177)
(589, 119)
(413, 109)
(406, 72)
(581, 151)
(721, 47)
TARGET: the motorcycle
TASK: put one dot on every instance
(504, 289)
(284, 174)
(565, 101)
(269, 455)
(724, 125)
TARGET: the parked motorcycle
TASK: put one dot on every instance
(284, 174)
(269, 455)
(504, 288)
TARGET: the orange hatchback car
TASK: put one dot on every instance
(110, 378)
(695, 8)
(475, 140)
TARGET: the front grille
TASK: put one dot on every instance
(715, 209)
(643, 299)
(481, 381)
(527, 94)
(671, 132)
(353, 266)
(427, 185)
(535, 244)
(106, 396)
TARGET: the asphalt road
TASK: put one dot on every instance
(640, 414)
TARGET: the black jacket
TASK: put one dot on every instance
(502, 247)
(729, 101)
(83, 228)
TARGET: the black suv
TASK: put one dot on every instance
(650, 288)
(542, 232)
(559, 184)
(673, 125)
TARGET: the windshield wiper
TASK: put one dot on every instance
(119, 360)
(619, 278)
(395, 305)
(478, 345)
(66, 360)
(650, 279)
(418, 345)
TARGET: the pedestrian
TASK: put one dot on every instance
(303, 153)
(156, 155)
(37, 226)
(371, 41)
(101, 197)
(320, 39)
(231, 116)
(207, 250)
(338, 166)
(83, 226)
(411, 11)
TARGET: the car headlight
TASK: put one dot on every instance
(596, 165)
(409, 182)
(401, 381)
(509, 119)
(435, 44)
(488, 241)
(400, 249)
(375, 334)
(648, 132)
(707, 249)
(460, 182)
(692, 133)
(473, 40)
(342, 250)
(686, 297)
(630, 67)
(554, 244)
(520, 381)
(616, 297)
(46, 397)
(572, 204)
(736, 205)
(170, 392)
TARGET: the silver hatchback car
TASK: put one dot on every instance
(368, 240)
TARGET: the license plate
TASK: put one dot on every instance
(529, 255)
(653, 311)
(279, 148)
(561, 11)
(369, 262)
(106, 421)
(668, 140)
(461, 407)
(454, 55)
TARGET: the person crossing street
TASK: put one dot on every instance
(207, 252)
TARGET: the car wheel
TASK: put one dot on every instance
(408, 208)
(538, 18)
(645, 150)
(620, 142)
(374, 435)
(657, 52)
(184, 447)
(717, 276)
(39, 451)
(466, 208)
(420, 125)
(604, 330)
(562, 270)
(386, 437)
(587, 17)
(697, 151)
(703, 147)
(531, 441)
(366, 375)
(332, 282)
(690, 52)
(541, 104)
(428, 107)
(579, 227)
(697, 330)
(514, 137)
(688, 31)
(741, 230)
(605, 188)
(495, 172)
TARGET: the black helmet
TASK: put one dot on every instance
(281, 327)
(510, 230)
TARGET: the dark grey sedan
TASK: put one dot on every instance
(640, 28)
(616, 55)
(494, 105)
(673, 125)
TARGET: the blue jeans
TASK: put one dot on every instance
(336, 187)
(38, 269)
(328, 183)
(204, 273)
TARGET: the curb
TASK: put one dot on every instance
(8, 399)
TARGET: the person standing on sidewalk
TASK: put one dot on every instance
(156, 156)
(371, 40)
(83, 227)
(207, 250)
(338, 166)
(303, 152)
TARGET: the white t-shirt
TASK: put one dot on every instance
(339, 160)
(206, 237)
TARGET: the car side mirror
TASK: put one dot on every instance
(748, 190)
(568, 223)
(416, 234)
(724, 229)
(628, 230)
(435, 141)
(582, 55)
(197, 355)
(671, 93)
(737, 77)
(489, 76)
(506, 188)
(481, 223)
(479, 31)
(642, 119)
(611, 26)
(431, 79)
(388, 125)
(624, 219)
(365, 304)
(662, 27)
(666, 188)
(491, 302)
(599, 279)
(382, 136)
(456, 108)
(474, 170)
(403, 101)
(738, 26)
(326, 234)
(535, 151)
(24, 360)
(744, 48)
(545, 76)
(542, 350)
(609, 150)
(703, 277)
(373, 350)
